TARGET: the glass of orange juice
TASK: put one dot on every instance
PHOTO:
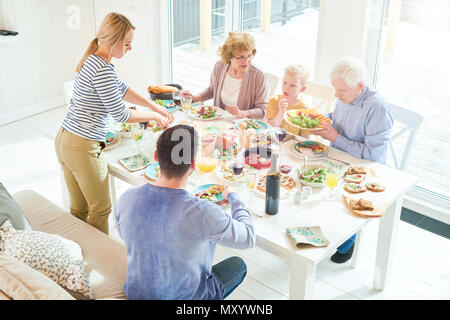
(186, 103)
(207, 163)
(332, 181)
(250, 179)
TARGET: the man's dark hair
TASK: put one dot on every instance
(176, 148)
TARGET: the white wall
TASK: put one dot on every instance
(54, 36)
(34, 67)
(347, 28)
(141, 66)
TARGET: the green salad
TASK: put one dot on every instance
(305, 121)
(160, 102)
(316, 175)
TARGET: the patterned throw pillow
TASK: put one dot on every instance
(58, 258)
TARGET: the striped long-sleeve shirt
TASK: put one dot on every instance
(97, 93)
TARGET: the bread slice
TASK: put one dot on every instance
(375, 187)
(354, 188)
(355, 178)
(354, 205)
(366, 205)
(356, 170)
(361, 204)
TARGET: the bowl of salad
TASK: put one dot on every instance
(306, 119)
(313, 176)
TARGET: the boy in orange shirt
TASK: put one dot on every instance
(294, 81)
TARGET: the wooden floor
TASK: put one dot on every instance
(415, 77)
(421, 268)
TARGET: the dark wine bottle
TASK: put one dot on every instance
(273, 187)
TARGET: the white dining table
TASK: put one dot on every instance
(335, 220)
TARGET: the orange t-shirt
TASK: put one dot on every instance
(272, 111)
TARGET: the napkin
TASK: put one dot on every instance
(307, 235)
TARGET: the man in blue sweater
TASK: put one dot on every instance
(171, 236)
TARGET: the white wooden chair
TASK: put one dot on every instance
(273, 82)
(411, 122)
(321, 96)
(68, 90)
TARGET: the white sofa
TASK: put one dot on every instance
(105, 257)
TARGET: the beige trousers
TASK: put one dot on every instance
(86, 174)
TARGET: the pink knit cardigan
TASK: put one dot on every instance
(254, 93)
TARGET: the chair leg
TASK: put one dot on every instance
(356, 249)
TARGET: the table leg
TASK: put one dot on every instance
(356, 249)
(301, 286)
(387, 236)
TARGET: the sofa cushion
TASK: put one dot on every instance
(20, 282)
(10, 210)
(59, 259)
(105, 258)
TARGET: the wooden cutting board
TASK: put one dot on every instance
(376, 213)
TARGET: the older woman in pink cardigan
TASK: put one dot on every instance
(236, 85)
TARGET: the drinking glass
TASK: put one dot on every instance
(280, 134)
(250, 179)
(238, 167)
(207, 162)
(186, 103)
(331, 181)
(138, 136)
(177, 96)
(307, 192)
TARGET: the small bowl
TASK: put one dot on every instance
(263, 152)
(307, 183)
(165, 96)
(285, 168)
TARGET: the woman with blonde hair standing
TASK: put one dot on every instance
(98, 93)
(236, 85)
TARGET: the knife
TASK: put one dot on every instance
(341, 161)
(253, 212)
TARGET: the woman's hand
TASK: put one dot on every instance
(165, 113)
(235, 111)
(194, 98)
(161, 121)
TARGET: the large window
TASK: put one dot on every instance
(194, 55)
(413, 68)
(414, 72)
